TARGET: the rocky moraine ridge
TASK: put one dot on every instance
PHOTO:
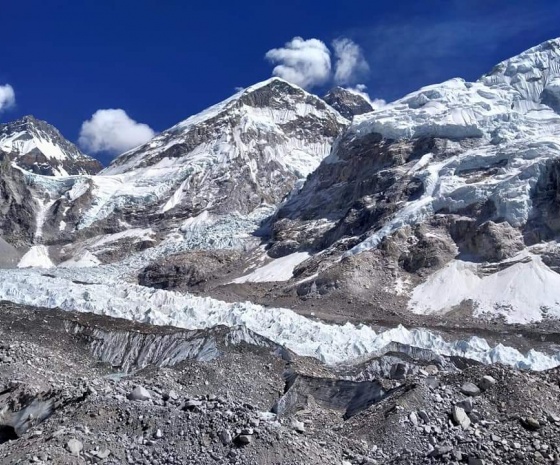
(83, 389)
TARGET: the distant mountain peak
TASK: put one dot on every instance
(37, 146)
(347, 102)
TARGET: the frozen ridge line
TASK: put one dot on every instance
(330, 343)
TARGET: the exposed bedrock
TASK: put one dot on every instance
(186, 270)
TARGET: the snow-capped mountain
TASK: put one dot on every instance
(244, 154)
(36, 146)
(347, 102)
(245, 151)
(446, 199)
(444, 202)
(456, 182)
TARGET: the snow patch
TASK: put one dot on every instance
(36, 257)
(524, 292)
(280, 269)
(82, 260)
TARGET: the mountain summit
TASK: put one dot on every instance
(247, 150)
(36, 146)
(347, 102)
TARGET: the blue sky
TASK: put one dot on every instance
(163, 60)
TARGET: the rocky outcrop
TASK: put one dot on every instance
(187, 270)
(17, 207)
(128, 350)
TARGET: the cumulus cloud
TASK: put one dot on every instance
(113, 131)
(361, 89)
(306, 63)
(7, 97)
(350, 63)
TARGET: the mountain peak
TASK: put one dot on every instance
(347, 102)
(534, 73)
(249, 149)
(39, 147)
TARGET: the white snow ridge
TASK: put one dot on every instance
(329, 343)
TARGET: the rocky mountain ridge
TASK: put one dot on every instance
(241, 156)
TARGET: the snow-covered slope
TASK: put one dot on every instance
(38, 147)
(465, 169)
(444, 202)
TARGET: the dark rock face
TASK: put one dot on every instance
(17, 217)
(347, 103)
(358, 189)
(187, 270)
(18, 140)
(544, 221)
(427, 251)
(490, 241)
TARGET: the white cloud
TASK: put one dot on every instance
(350, 62)
(7, 97)
(112, 130)
(361, 89)
(306, 63)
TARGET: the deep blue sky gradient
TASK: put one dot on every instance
(163, 60)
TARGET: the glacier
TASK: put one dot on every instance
(330, 343)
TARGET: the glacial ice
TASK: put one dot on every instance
(505, 111)
(330, 343)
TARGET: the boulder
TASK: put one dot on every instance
(470, 389)
(75, 447)
(460, 417)
(487, 382)
(139, 393)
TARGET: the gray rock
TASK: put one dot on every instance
(298, 426)
(244, 439)
(102, 454)
(431, 370)
(399, 370)
(432, 382)
(476, 461)
(192, 404)
(466, 404)
(460, 417)
(413, 418)
(470, 389)
(487, 382)
(424, 416)
(225, 437)
(440, 450)
(139, 393)
(75, 447)
(531, 423)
